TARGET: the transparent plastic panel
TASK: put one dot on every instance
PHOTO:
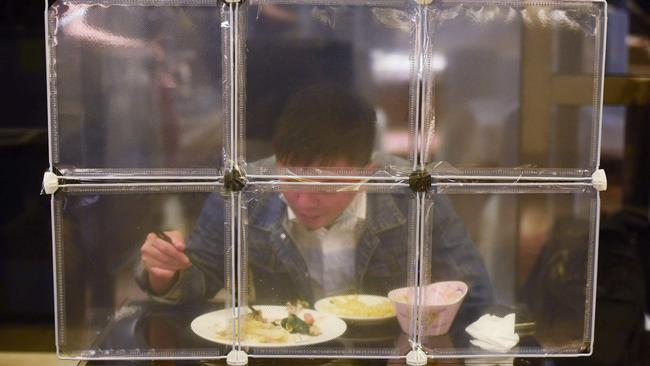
(137, 267)
(342, 249)
(327, 106)
(514, 87)
(537, 247)
(136, 86)
(330, 85)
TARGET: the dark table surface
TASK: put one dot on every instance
(154, 330)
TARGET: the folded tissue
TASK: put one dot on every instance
(493, 333)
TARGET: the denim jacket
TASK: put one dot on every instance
(276, 271)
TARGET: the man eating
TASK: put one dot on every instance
(308, 242)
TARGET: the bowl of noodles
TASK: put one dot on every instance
(358, 309)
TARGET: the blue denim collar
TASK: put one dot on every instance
(267, 214)
(383, 213)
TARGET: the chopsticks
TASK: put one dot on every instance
(161, 235)
(201, 265)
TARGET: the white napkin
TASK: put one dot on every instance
(493, 333)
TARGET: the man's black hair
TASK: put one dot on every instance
(324, 123)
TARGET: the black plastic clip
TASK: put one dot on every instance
(420, 181)
(234, 180)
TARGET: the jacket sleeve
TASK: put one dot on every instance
(206, 250)
(455, 257)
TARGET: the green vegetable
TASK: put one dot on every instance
(294, 324)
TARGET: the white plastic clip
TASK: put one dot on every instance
(416, 357)
(237, 358)
(599, 180)
(232, 1)
(50, 182)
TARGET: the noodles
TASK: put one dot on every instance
(255, 327)
(257, 331)
(354, 306)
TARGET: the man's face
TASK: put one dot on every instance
(316, 209)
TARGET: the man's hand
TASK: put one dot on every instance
(163, 259)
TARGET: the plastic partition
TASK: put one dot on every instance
(513, 88)
(105, 306)
(537, 245)
(352, 54)
(284, 263)
(411, 171)
(136, 89)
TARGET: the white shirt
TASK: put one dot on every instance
(330, 252)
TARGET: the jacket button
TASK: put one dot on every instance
(283, 236)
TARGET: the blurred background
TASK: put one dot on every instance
(26, 296)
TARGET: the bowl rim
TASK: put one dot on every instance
(462, 284)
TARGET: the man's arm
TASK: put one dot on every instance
(205, 250)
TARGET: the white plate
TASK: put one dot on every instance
(327, 306)
(208, 325)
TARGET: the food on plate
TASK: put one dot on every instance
(293, 324)
(256, 327)
(268, 326)
(359, 306)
